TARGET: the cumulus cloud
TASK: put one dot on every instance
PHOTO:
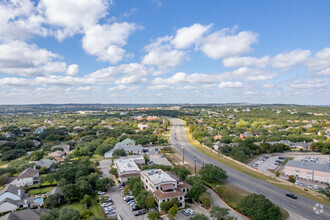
(121, 88)
(223, 43)
(246, 62)
(69, 17)
(320, 63)
(162, 54)
(17, 57)
(230, 85)
(105, 41)
(187, 36)
(287, 60)
(73, 70)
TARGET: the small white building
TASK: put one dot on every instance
(28, 177)
(126, 168)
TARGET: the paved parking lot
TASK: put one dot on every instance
(158, 160)
(197, 209)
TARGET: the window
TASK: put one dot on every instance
(180, 198)
(157, 188)
(184, 190)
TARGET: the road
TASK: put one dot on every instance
(302, 207)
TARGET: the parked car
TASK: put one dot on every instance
(162, 156)
(151, 163)
(100, 193)
(106, 204)
(291, 195)
(310, 186)
(135, 208)
(140, 212)
(185, 212)
(191, 211)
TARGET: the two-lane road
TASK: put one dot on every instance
(301, 207)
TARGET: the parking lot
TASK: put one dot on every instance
(158, 159)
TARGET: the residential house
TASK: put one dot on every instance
(44, 163)
(13, 197)
(39, 130)
(64, 147)
(128, 145)
(142, 126)
(245, 135)
(28, 177)
(164, 186)
(58, 153)
(30, 214)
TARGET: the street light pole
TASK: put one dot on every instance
(182, 148)
(195, 164)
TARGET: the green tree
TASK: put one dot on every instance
(258, 207)
(196, 190)
(69, 214)
(43, 170)
(119, 152)
(292, 179)
(205, 198)
(53, 201)
(219, 213)
(173, 210)
(199, 217)
(150, 200)
(212, 173)
(87, 200)
(154, 215)
(181, 172)
(113, 171)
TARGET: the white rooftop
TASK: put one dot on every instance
(126, 166)
(157, 176)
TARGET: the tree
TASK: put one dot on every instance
(212, 173)
(205, 198)
(198, 217)
(292, 179)
(50, 215)
(219, 213)
(181, 172)
(87, 200)
(69, 214)
(43, 170)
(150, 200)
(53, 201)
(196, 190)
(119, 152)
(277, 173)
(258, 207)
(154, 215)
(113, 171)
(173, 210)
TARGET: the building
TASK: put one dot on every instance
(298, 145)
(28, 177)
(245, 135)
(315, 172)
(30, 214)
(13, 197)
(126, 168)
(128, 145)
(44, 163)
(165, 186)
(57, 153)
(64, 147)
(142, 126)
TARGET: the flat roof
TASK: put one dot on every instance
(157, 176)
(309, 166)
(126, 166)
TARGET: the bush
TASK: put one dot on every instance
(292, 179)
(154, 215)
(205, 198)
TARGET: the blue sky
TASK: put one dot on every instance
(164, 51)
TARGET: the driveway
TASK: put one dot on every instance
(105, 167)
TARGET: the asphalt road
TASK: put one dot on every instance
(302, 207)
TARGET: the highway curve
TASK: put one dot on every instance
(301, 207)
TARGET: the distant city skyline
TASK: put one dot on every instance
(157, 51)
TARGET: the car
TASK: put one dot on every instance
(291, 195)
(135, 208)
(108, 208)
(105, 204)
(185, 212)
(300, 184)
(122, 184)
(315, 187)
(281, 158)
(191, 211)
(162, 156)
(109, 200)
(100, 193)
(151, 163)
(296, 182)
(145, 150)
(310, 186)
(140, 212)
(131, 201)
(109, 211)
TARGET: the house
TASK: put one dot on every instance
(142, 126)
(13, 197)
(299, 145)
(164, 186)
(28, 177)
(57, 153)
(245, 135)
(44, 163)
(64, 147)
(30, 214)
(126, 168)
(128, 145)
(315, 172)
(54, 191)
(39, 130)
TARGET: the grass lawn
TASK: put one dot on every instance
(272, 180)
(44, 182)
(95, 208)
(33, 192)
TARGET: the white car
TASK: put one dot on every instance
(100, 193)
(191, 211)
(105, 204)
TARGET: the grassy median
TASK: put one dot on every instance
(272, 180)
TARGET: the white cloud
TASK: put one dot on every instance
(230, 85)
(224, 44)
(69, 17)
(310, 84)
(105, 41)
(17, 57)
(246, 62)
(320, 63)
(121, 88)
(13, 81)
(287, 60)
(163, 55)
(187, 36)
(73, 70)
(184, 78)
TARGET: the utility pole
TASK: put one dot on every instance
(195, 164)
(182, 148)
